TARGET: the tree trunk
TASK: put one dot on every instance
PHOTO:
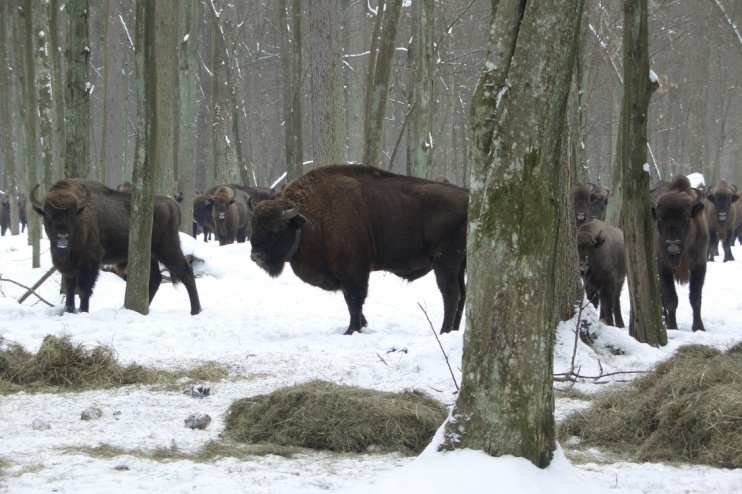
(379, 70)
(421, 68)
(144, 172)
(32, 124)
(291, 70)
(516, 265)
(77, 95)
(639, 229)
(106, 109)
(327, 131)
(6, 116)
(188, 106)
(55, 51)
(166, 89)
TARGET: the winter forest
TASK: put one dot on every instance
(368, 246)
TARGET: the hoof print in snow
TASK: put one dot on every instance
(122, 468)
(91, 413)
(198, 391)
(40, 425)
(198, 421)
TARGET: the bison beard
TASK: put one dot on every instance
(338, 223)
(88, 224)
(681, 245)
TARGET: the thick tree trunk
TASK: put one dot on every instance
(639, 228)
(143, 174)
(188, 106)
(44, 89)
(6, 116)
(327, 129)
(379, 70)
(77, 94)
(421, 71)
(516, 266)
(166, 80)
(106, 110)
(32, 125)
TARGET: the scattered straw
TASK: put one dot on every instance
(323, 415)
(61, 365)
(688, 410)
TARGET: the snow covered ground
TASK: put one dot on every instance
(276, 332)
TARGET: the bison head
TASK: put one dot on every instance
(581, 202)
(587, 245)
(202, 207)
(674, 213)
(61, 214)
(599, 201)
(276, 233)
(222, 201)
(722, 198)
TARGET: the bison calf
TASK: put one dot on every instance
(336, 224)
(88, 224)
(603, 268)
(682, 246)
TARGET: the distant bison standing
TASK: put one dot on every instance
(682, 246)
(603, 268)
(722, 219)
(338, 223)
(88, 224)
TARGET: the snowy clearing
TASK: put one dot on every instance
(276, 332)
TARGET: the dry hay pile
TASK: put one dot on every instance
(688, 410)
(323, 415)
(61, 364)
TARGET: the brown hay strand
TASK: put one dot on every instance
(689, 410)
(327, 416)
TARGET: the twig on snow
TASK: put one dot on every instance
(440, 345)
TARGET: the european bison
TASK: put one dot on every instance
(603, 268)
(590, 202)
(682, 245)
(88, 224)
(738, 222)
(722, 219)
(203, 218)
(338, 223)
(231, 216)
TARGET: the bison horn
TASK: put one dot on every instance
(35, 200)
(289, 214)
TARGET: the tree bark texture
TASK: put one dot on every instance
(7, 116)
(327, 131)
(379, 70)
(639, 228)
(32, 127)
(422, 67)
(516, 276)
(77, 93)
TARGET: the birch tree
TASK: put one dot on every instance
(517, 283)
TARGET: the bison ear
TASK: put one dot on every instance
(250, 204)
(79, 210)
(38, 210)
(735, 196)
(697, 208)
(710, 197)
(599, 239)
(231, 201)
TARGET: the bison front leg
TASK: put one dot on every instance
(607, 301)
(713, 246)
(86, 279)
(355, 296)
(669, 298)
(617, 317)
(155, 278)
(462, 298)
(697, 277)
(70, 287)
(727, 243)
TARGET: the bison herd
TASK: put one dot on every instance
(337, 224)
(690, 223)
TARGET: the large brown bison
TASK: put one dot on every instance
(231, 216)
(721, 215)
(590, 202)
(338, 223)
(88, 224)
(682, 245)
(603, 268)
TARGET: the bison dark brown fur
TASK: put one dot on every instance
(603, 268)
(721, 215)
(682, 246)
(231, 218)
(336, 224)
(598, 201)
(88, 224)
(203, 218)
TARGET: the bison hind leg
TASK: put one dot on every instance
(86, 279)
(355, 295)
(181, 271)
(447, 278)
(155, 278)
